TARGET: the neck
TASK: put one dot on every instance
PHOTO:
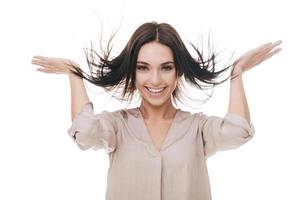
(163, 112)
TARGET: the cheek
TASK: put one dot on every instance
(139, 80)
(174, 84)
(171, 79)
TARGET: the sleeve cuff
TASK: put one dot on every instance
(241, 121)
(88, 107)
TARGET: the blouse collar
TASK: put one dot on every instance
(137, 114)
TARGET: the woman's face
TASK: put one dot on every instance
(155, 73)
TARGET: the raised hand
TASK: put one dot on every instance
(53, 65)
(255, 56)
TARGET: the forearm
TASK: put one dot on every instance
(237, 100)
(79, 95)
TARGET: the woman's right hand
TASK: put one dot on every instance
(53, 65)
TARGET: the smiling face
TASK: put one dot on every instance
(155, 74)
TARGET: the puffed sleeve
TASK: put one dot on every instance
(96, 131)
(225, 133)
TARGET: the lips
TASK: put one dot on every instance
(155, 91)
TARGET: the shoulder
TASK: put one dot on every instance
(188, 113)
(195, 117)
(122, 113)
(189, 116)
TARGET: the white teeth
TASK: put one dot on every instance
(155, 90)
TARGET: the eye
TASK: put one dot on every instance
(139, 67)
(168, 68)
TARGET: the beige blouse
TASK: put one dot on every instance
(137, 170)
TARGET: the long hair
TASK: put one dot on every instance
(119, 72)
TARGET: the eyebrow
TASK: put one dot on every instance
(142, 62)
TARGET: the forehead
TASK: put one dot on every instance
(155, 52)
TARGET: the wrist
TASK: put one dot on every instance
(237, 71)
(73, 76)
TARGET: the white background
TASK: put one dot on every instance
(40, 161)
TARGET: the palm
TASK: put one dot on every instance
(53, 65)
(256, 56)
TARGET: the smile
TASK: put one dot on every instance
(155, 92)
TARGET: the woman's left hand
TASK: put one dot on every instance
(255, 56)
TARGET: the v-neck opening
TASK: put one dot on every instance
(148, 134)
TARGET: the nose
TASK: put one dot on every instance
(155, 78)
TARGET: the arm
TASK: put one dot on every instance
(235, 128)
(87, 129)
(237, 101)
(79, 95)
(62, 66)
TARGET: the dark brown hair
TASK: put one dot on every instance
(119, 72)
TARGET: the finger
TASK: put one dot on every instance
(40, 63)
(268, 46)
(266, 50)
(261, 48)
(272, 53)
(44, 65)
(278, 42)
(273, 45)
(41, 57)
(37, 63)
(259, 51)
(49, 71)
(44, 70)
(264, 45)
(43, 62)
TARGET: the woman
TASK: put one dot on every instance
(157, 151)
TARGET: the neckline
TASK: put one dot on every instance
(141, 114)
(168, 133)
(137, 113)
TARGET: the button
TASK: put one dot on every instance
(252, 130)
